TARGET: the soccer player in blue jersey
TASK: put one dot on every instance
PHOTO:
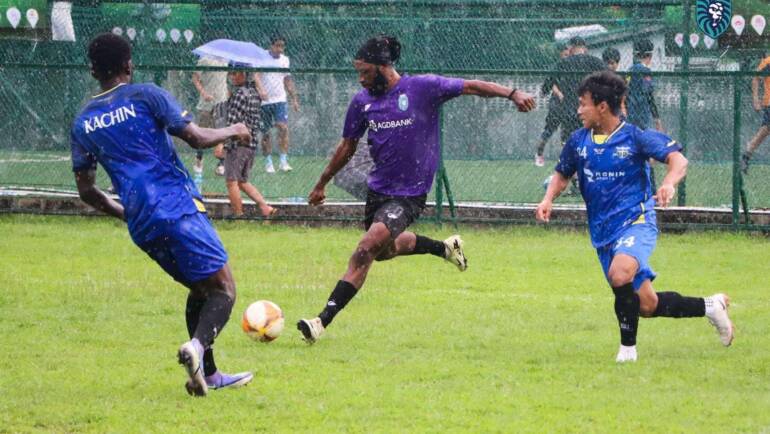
(126, 129)
(611, 158)
(400, 115)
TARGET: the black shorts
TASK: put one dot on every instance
(396, 212)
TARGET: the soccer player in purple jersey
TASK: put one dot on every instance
(126, 130)
(610, 156)
(401, 114)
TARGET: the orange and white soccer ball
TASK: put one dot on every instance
(263, 321)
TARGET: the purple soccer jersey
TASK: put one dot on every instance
(403, 131)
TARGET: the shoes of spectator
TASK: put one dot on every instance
(539, 161)
(220, 170)
(269, 167)
(284, 166)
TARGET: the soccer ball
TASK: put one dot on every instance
(262, 321)
(547, 182)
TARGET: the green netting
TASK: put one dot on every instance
(488, 146)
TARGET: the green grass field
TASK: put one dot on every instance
(509, 181)
(524, 341)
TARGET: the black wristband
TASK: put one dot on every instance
(510, 95)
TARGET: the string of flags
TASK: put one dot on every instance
(175, 35)
(738, 23)
(13, 15)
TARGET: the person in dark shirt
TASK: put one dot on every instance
(567, 84)
(555, 109)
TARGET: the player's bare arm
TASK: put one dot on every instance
(203, 138)
(558, 183)
(93, 196)
(677, 169)
(345, 150)
(524, 101)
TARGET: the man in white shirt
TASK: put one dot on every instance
(275, 86)
(212, 88)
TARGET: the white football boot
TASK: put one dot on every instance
(626, 354)
(454, 252)
(716, 312)
(311, 329)
(192, 360)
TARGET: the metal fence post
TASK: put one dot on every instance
(736, 150)
(687, 16)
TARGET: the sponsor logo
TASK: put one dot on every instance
(713, 16)
(384, 125)
(622, 152)
(609, 175)
(403, 102)
(599, 151)
(106, 120)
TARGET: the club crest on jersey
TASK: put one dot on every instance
(403, 102)
(713, 16)
(622, 152)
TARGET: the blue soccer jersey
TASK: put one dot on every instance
(126, 130)
(614, 176)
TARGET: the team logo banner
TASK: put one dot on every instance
(713, 16)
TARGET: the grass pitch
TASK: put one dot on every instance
(524, 341)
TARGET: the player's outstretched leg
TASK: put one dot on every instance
(409, 243)
(674, 305)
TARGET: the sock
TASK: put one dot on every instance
(339, 298)
(673, 305)
(284, 157)
(425, 245)
(213, 317)
(192, 316)
(541, 147)
(268, 159)
(627, 312)
(221, 160)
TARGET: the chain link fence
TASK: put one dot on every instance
(703, 89)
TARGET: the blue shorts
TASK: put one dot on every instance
(188, 249)
(766, 117)
(637, 241)
(276, 113)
